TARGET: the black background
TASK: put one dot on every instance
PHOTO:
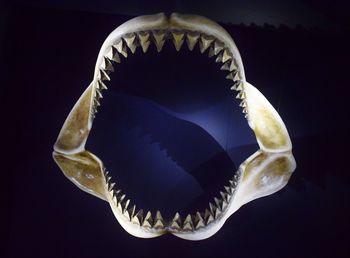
(47, 60)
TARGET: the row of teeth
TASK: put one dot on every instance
(191, 222)
(143, 39)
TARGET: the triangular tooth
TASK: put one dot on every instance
(122, 197)
(243, 104)
(96, 102)
(225, 66)
(230, 76)
(111, 186)
(115, 200)
(218, 47)
(125, 205)
(226, 55)
(224, 205)
(211, 52)
(107, 65)
(138, 218)
(178, 39)
(144, 41)
(245, 111)
(159, 223)
(233, 65)
(219, 58)
(148, 222)
(104, 76)
(188, 223)
(240, 95)
(228, 189)
(205, 42)
(98, 94)
(159, 38)
(108, 178)
(191, 39)
(231, 182)
(113, 55)
(217, 213)
(131, 211)
(237, 77)
(176, 222)
(218, 203)
(121, 48)
(130, 41)
(212, 208)
(224, 196)
(199, 221)
(208, 216)
(101, 85)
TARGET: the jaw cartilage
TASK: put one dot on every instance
(263, 173)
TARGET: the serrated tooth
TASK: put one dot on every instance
(98, 94)
(218, 203)
(191, 39)
(96, 102)
(113, 54)
(199, 221)
(230, 76)
(138, 218)
(107, 65)
(225, 67)
(131, 211)
(226, 56)
(159, 223)
(159, 38)
(233, 65)
(245, 111)
(242, 104)
(219, 58)
(228, 189)
(208, 216)
(205, 42)
(240, 95)
(212, 208)
(218, 47)
(104, 76)
(121, 48)
(211, 52)
(130, 41)
(101, 85)
(111, 186)
(144, 41)
(237, 86)
(176, 222)
(224, 196)
(188, 224)
(125, 205)
(178, 39)
(148, 222)
(217, 213)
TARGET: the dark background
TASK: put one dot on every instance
(169, 131)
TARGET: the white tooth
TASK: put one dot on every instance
(176, 222)
(240, 95)
(212, 208)
(218, 47)
(226, 56)
(178, 39)
(211, 52)
(130, 41)
(125, 205)
(107, 65)
(225, 66)
(137, 219)
(96, 102)
(98, 94)
(237, 86)
(218, 203)
(148, 222)
(113, 55)
(233, 65)
(121, 48)
(230, 76)
(111, 186)
(224, 196)
(205, 42)
(104, 76)
(245, 111)
(208, 217)
(131, 211)
(191, 40)
(199, 222)
(217, 213)
(101, 85)
(188, 224)
(159, 223)
(144, 41)
(219, 58)
(159, 39)
(242, 104)
(228, 189)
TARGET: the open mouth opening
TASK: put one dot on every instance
(180, 40)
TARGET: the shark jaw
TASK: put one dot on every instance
(263, 173)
